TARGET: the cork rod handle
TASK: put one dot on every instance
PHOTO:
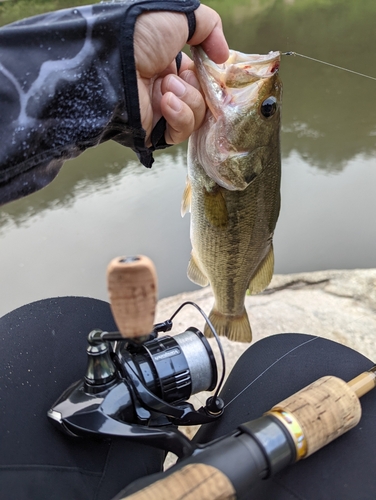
(321, 412)
(132, 288)
(192, 482)
(324, 410)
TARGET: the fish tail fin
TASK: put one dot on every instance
(235, 328)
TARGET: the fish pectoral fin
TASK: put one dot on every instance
(186, 201)
(195, 274)
(263, 275)
(235, 328)
(215, 208)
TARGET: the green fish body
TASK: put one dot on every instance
(233, 186)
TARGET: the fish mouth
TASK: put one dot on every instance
(251, 66)
(240, 68)
(236, 81)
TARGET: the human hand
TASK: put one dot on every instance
(158, 38)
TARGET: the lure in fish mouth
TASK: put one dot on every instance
(233, 185)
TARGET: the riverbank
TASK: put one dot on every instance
(338, 305)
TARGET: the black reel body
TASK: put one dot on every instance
(139, 391)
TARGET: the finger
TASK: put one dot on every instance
(183, 107)
(209, 34)
(189, 76)
(146, 104)
(187, 89)
(179, 117)
(151, 108)
(156, 101)
(186, 63)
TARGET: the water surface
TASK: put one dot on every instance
(103, 204)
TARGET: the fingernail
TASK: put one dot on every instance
(174, 102)
(176, 86)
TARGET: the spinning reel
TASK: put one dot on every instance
(136, 385)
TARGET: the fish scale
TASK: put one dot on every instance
(233, 186)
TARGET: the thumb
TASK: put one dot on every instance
(209, 34)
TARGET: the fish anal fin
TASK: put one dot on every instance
(186, 200)
(263, 275)
(215, 208)
(235, 328)
(195, 274)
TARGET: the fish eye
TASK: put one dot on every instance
(269, 107)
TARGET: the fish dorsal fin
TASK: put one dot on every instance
(195, 274)
(186, 201)
(215, 208)
(263, 275)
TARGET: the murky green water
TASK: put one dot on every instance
(103, 204)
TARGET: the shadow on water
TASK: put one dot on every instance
(104, 203)
(98, 169)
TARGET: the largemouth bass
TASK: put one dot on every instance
(233, 185)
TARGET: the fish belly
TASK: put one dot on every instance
(231, 234)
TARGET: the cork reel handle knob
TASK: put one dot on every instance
(132, 287)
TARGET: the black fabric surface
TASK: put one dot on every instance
(277, 367)
(43, 351)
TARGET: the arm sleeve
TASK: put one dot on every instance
(63, 89)
(60, 92)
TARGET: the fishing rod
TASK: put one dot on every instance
(292, 430)
(136, 386)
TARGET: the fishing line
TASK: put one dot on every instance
(328, 64)
(269, 367)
